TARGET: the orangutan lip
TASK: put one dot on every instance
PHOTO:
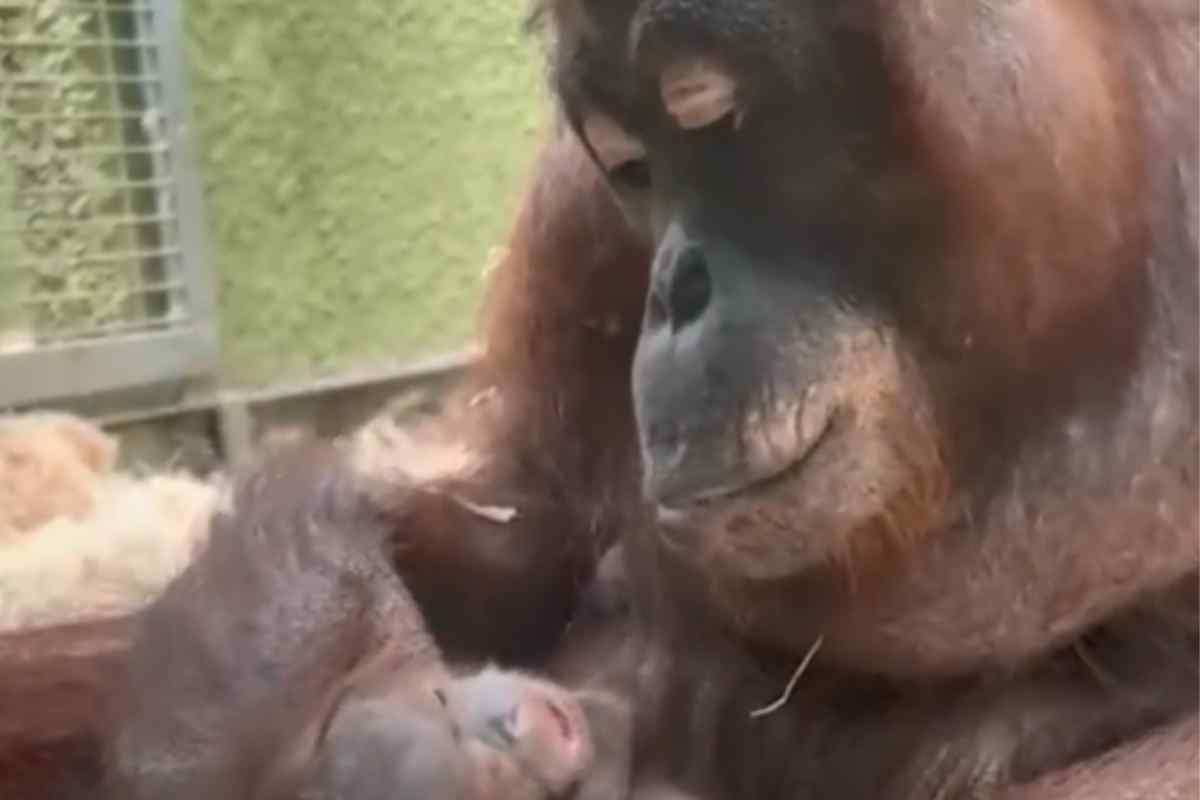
(752, 485)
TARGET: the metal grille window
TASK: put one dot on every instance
(103, 282)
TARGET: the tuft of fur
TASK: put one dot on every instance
(385, 450)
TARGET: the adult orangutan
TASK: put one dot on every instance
(889, 310)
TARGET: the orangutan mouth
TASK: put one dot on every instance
(750, 484)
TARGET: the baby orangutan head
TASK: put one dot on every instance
(488, 735)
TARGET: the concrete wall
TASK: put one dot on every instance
(360, 159)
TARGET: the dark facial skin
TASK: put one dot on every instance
(765, 284)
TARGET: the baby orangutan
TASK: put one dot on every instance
(300, 668)
(396, 732)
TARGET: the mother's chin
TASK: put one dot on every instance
(848, 495)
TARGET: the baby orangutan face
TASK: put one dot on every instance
(491, 735)
(523, 738)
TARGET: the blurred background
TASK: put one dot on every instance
(223, 217)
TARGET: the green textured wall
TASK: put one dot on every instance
(360, 158)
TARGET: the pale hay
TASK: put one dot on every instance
(50, 466)
(115, 553)
(138, 536)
